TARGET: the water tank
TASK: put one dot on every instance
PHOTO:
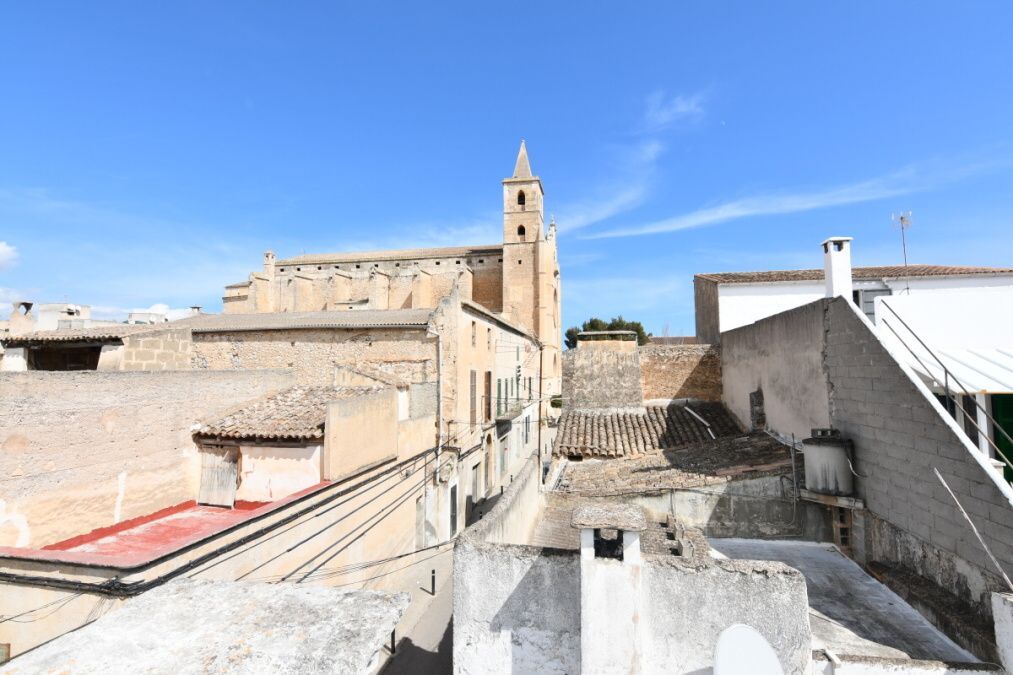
(827, 468)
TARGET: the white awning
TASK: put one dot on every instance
(987, 370)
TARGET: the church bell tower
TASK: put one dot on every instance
(522, 203)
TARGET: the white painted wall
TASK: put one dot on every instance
(742, 304)
(269, 473)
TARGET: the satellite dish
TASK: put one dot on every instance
(741, 650)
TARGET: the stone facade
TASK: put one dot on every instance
(602, 375)
(680, 371)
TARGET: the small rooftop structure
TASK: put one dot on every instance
(297, 413)
(190, 626)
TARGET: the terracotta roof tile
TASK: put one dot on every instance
(95, 333)
(884, 272)
(607, 435)
(295, 413)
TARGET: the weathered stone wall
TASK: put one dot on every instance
(313, 353)
(680, 371)
(599, 378)
(81, 450)
(164, 350)
(782, 357)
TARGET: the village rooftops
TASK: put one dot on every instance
(368, 318)
(298, 413)
(394, 254)
(884, 272)
(107, 333)
(200, 626)
(618, 434)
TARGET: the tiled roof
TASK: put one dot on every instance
(295, 413)
(605, 435)
(395, 254)
(885, 272)
(93, 334)
(367, 318)
(729, 458)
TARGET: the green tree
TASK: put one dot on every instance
(617, 323)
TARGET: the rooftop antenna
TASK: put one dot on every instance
(903, 221)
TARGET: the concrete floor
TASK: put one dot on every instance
(850, 612)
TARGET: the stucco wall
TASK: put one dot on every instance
(313, 353)
(782, 355)
(82, 450)
(685, 607)
(361, 431)
(680, 371)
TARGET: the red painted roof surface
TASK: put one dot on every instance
(140, 540)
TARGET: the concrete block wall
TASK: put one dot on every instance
(162, 350)
(82, 450)
(901, 434)
(680, 371)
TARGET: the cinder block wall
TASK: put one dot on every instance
(82, 450)
(680, 371)
(901, 434)
(822, 364)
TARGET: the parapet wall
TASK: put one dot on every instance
(680, 371)
(82, 450)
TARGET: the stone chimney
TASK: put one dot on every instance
(195, 310)
(22, 319)
(837, 266)
(269, 261)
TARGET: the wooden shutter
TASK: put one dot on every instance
(219, 476)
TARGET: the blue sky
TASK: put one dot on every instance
(150, 152)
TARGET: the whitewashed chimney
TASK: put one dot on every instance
(837, 266)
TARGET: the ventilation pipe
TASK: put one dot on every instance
(837, 266)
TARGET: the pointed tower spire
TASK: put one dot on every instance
(522, 169)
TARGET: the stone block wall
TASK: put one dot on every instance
(596, 378)
(82, 450)
(162, 350)
(313, 353)
(680, 371)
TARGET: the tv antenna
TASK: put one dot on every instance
(903, 221)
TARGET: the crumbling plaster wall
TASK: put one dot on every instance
(680, 371)
(313, 353)
(82, 450)
(686, 604)
(782, 356)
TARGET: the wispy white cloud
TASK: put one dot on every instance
(8, 255)
(663, 110)
(910, 179)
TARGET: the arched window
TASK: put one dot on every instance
(520, 198)
(520, 230)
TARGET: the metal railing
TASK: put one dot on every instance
(947, 377)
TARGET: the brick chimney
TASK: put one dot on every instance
(837, 266)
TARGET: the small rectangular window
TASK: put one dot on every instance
(474, 328)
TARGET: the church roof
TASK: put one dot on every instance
(391, 254)
(886, 272)
(366, 318)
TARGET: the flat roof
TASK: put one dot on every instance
(882, 272)
(203, 626)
